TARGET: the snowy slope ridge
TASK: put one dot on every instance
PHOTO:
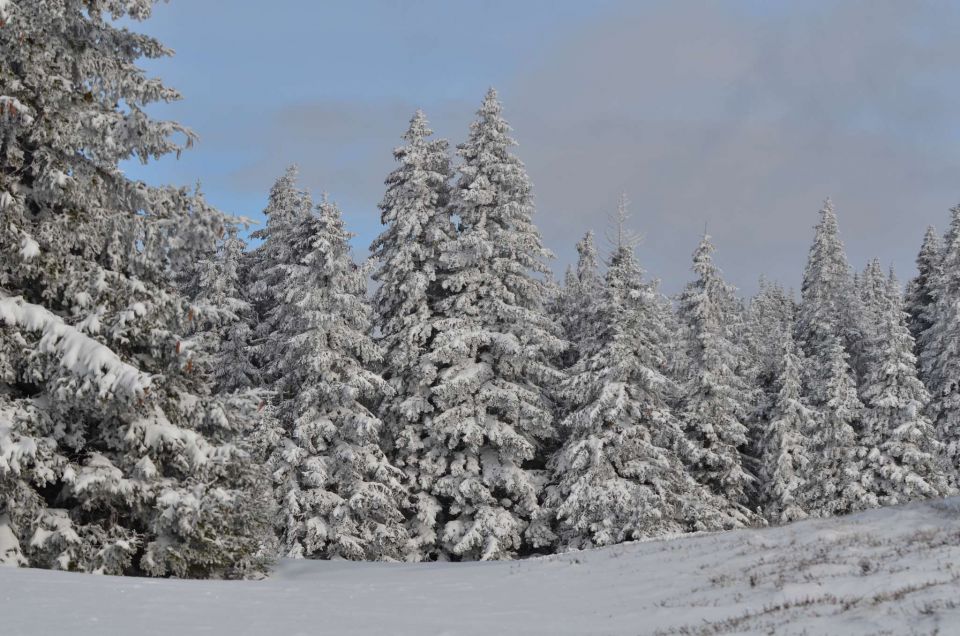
(892, 570)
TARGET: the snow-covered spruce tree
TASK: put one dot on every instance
(114, 455)
(558, 310)
(577, 304)
(904, 452)
(492, 348)
(221, 316)
(417, 219)
(769, 336)
(784, 454)
(220, 324)
(235, 368)
(839, 485)
(872, 287)
(618, 475)
(716, 401)
(770, 318)
(265, 272)
(339, 496)
(920, 299)
(268, 267)
(217, 343)
(940, 364)
(830, 305)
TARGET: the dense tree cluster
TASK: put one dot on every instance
(175, 403)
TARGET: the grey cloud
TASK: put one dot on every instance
(703, 113)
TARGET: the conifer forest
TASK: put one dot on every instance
(185, 396)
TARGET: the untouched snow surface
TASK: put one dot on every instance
(892, 571)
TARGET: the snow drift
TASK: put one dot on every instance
(892, 570)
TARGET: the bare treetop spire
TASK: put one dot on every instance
(618, 234)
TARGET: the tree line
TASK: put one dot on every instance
(174, 402)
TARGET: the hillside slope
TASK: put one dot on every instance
(885, 571)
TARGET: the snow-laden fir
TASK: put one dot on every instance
(493, 351)
(715, 397)
(116, 455)
(785, 452)
(407, 319)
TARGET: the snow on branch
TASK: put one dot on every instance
(77, 352)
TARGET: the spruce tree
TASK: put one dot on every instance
(339, 496)
(115, 455)
(618, 475)
(270, 264)
(579, 299)
(830, 306)
(417, 219)
(770, 318)
(769, 331)
(871, 286)
(493, 345)
(785, 462)
(560, 311)
(235, 365)
(904, 451)
(920, 290)
(221, 316)
(840, 484)
(715, 398)
(940, 365)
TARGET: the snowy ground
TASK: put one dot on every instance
(892, 571)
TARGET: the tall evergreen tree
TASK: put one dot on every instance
(840, 484)
(904, 451)
(769, 328)
(830, 307)
(339, 495)
(579, 299)
(785, 461)
(920, 290)
(492, 349)
(220, 314)
(715, 403)
(269, 266)
(872, 287)
(234, 367)
(771, 315)
(417, 219)
(115, 456)
(618, 475)
(940, 364)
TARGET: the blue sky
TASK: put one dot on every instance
(331, 86)
(741, 116)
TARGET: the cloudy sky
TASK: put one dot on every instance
(737, 116)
